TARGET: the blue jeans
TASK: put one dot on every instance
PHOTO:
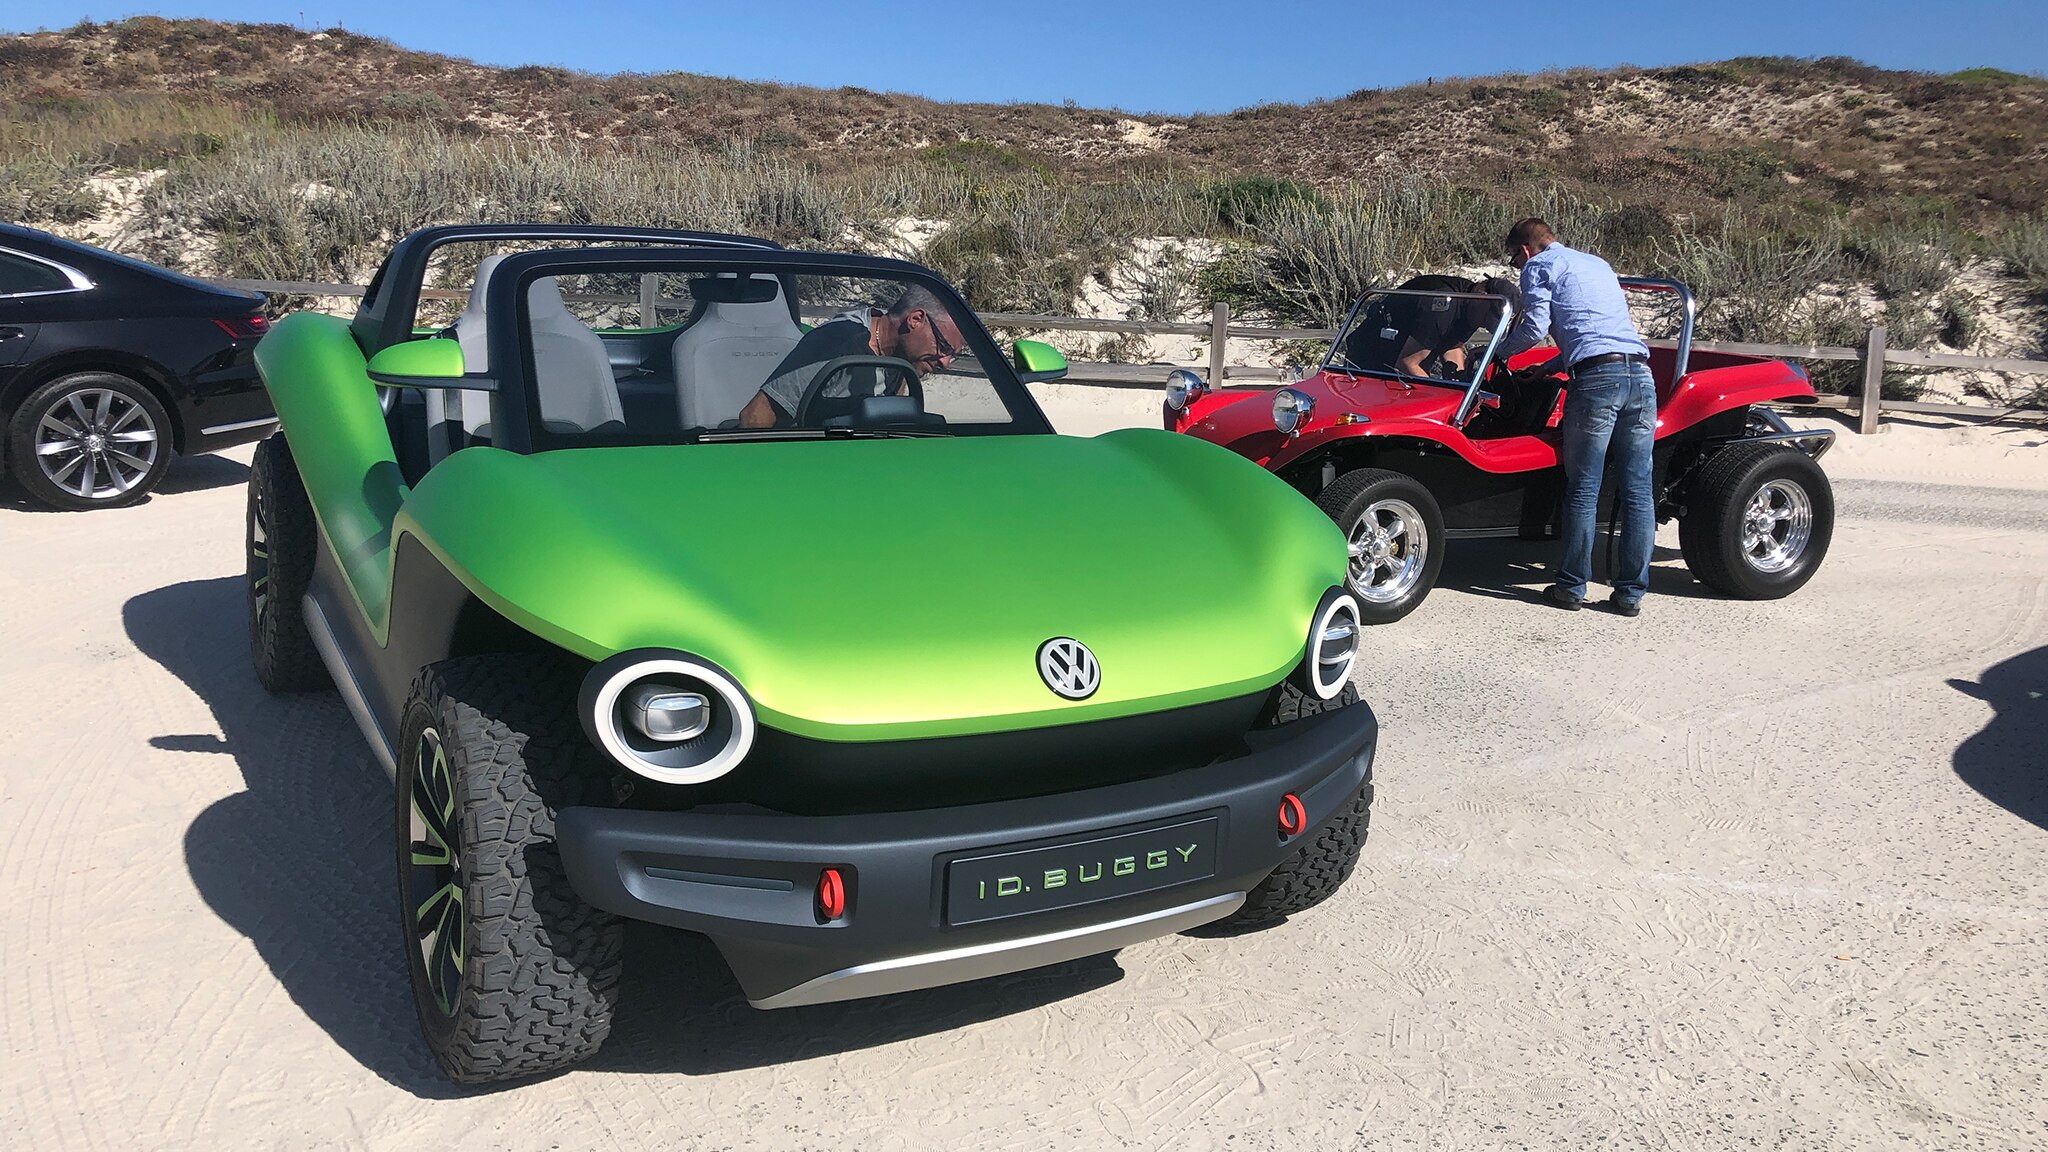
(1610, 412)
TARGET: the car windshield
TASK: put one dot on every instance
(1427, 334)
(741, 350)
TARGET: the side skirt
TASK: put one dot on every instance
(351, 690)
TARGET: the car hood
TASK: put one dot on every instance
(1246, 425)
(890, 589)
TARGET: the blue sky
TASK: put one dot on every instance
(1146, 56)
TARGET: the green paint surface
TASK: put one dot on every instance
(858, 589)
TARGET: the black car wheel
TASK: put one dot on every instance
(1324, 860)
(1395, 533)
(89, 440)
(281, 542)
(513, 975)
(1758, 521)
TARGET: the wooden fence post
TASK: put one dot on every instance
(1873, 383)
(1219, 333)
(650, 298)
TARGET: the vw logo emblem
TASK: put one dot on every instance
(1069, 668)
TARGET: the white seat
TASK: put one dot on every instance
(574, 374)
(723, 358)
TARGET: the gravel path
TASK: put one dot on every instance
(1729, 874)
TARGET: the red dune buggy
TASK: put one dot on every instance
(1405, 463)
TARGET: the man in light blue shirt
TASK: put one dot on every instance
(1575, 299)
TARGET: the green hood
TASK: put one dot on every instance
(890, 589)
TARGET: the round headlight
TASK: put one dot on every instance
(1291, 409)
(1181, 387)
(668, 716)
(1333, 637)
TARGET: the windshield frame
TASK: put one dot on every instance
(1333, 363)
(518, 399)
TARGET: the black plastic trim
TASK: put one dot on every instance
(894, 862)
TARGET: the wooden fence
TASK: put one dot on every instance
(1869, 406)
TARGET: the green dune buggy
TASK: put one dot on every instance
(686, 579)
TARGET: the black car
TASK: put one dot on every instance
(109, 365)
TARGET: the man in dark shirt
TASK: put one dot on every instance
(917, 328)
(1425, 335)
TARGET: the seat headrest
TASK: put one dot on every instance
(469, 327)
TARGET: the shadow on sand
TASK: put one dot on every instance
(301, 862)
(1520, 569)
(186, 474)
(2008, 761)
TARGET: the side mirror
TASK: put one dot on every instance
(425, 364)
(1036, 361)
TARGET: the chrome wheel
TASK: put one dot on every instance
(1389, 547)
(96, 443)
(1776, 525)
(434, 874)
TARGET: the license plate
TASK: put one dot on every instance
(999, 884)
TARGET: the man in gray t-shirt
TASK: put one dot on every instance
(917, 328)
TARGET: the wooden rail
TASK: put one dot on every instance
(1869, 406)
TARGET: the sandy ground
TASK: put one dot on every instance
(1731, 874)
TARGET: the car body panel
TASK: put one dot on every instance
(148, 323)
(318, 382)
(893, 589)
(943, 542)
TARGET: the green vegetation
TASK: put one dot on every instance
(296, 155)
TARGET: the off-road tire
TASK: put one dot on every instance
(1710, 532)
(540, 968)
(1321, 864)
(281, 540)
(27, 466)
(1346, 501)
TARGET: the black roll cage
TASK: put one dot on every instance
(392, 300)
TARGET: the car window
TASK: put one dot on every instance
(674, 356)
(1443, 327)
(19, 274)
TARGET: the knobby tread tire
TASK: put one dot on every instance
(1716, 503)
(1336, 502)
(541, 974)
(280, 644)
(1325, 861)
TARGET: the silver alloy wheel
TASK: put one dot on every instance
(1776, 526)
(1389, 546)
(96, 443)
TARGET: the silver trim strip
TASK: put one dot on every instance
(351, 691)
(237, 426)
(79, 281)
(931, 969)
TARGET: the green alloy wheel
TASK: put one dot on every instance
(434, 879)
(513, 975)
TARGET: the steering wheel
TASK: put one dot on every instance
(884, 367)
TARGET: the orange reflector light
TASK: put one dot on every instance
(831, 894)
(1293, 817)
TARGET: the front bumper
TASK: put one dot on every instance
(747, 880)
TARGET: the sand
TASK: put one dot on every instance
(1727, 875)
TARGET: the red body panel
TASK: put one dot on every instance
(1242, 419)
